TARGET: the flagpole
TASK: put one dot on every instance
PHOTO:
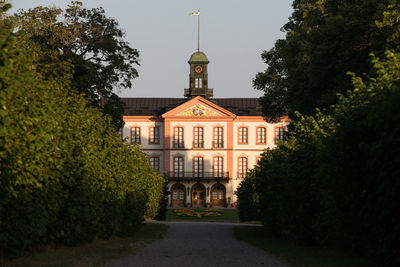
(198, 32)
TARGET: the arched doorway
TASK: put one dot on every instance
(218, 193)
(178, 195)
(198, 195)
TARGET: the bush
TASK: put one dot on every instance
(248, 200)
(66, 176)
(336, 180)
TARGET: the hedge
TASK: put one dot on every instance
(335, 182)
(66, 175)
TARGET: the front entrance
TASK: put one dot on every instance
(218, 193)
(198, 195)
(178, 195)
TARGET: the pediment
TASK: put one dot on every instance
(198, 110)
(198, 107)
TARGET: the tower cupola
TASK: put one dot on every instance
(198, 77)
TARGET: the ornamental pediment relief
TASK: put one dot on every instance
(198, 111)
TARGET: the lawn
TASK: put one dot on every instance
(94, 253)
(297, 255)
(229, 215)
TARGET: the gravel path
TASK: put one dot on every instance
(199, 244)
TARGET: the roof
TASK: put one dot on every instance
(157, 106)
(198, 57)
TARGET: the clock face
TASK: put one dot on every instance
(198, 69)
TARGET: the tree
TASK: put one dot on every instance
(86, 43)
(324, 40)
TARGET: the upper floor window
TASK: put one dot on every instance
(178, 166)
(135, 135)
(218, 166)
(279, 134)
(243, 135)
(218, 141)
(261, 135)
(198, 137)
(198, 167)
(154, 137)
(198, 83)
(178, 137)
(242, 168)
(155, 163)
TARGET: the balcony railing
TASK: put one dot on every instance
(218, 144)
(215, 175)
(198, 144)
(241, 175)
(199, 91)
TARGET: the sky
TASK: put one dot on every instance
(233, 34)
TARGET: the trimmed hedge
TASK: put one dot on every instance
(66, 176)
(335, 182)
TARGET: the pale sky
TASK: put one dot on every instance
(233, 34)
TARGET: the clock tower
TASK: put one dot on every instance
(198, 77)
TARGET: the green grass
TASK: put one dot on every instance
(92, 254)
(297, 255)
(230, 215)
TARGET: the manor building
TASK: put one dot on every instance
(203, 146)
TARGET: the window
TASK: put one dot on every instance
(279, 134)
(178, 137)
(154, 135)
(218, 167)
(218, 137)
(155, 163)
(215, 195)
(261, 135)
(242, 170)
(198, 137)
(198, 83)
(243, 133)
(135, 135)
(198, 167)
(178, 166)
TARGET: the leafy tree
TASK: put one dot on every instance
(65, 175)
(87, 43)
(324, 40)
(335, 181)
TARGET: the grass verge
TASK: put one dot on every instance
(295, 254)
(230, 216)
(94, 253)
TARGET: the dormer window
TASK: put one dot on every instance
(198, 83)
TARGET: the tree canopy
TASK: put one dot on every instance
(324, 40)
(86, 43)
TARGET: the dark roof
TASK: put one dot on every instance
(158, 106)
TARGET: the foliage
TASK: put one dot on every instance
(335, 181)
(87, 43)
(324, 39)
(198, 214)
(163, 204)
(66, 177)
(248, 200)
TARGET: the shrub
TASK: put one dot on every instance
(248, 200)
(66, 177)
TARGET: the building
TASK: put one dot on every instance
(203, 146)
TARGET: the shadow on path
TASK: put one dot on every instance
(199, 244)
